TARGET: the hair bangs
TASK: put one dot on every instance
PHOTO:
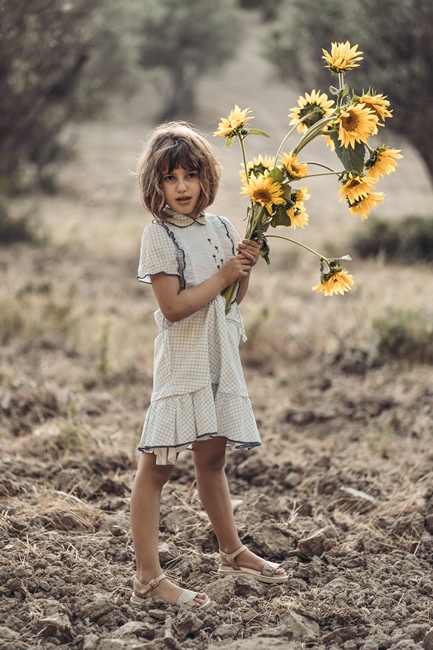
(179, 154)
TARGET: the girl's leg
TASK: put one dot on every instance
(145, 506)
(213, 489)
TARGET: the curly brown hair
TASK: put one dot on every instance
(172, 145)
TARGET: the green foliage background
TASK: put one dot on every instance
(397, 41)
(62, 61)
(185, 41)
(59, 63)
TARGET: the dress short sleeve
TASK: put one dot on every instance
(159, 253)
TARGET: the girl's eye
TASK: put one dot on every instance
(168, 178)
(193, 175)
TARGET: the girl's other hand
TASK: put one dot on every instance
(235, 268)
(250, 249)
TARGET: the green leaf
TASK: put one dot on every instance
(288, 194)
(265, 250)
(352, 158)
(333, 90)
(229, 140)
(260, 231)
(277, 175)
(280, 218)
(337, 261)
(258, 132)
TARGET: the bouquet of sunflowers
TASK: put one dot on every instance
(346, 123)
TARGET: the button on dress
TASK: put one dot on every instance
(199, 389)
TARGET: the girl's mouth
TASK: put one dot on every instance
(183, 199)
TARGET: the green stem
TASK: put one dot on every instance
(229, 294)
(241, 142)
(311, 162)
(312, 133)
(298, 243)
(340, 94)
(288, 136)
(323, 174)
(255, 219)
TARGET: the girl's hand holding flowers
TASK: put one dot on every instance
(235, 269)
(250, 249)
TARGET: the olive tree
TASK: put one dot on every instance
(60, 60)
(185, 41)
(397, 41)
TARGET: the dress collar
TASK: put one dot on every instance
(182, 220)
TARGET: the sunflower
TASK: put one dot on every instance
(377, 103)
(264, 190)
(382, 162)
(300, 195)
(355, 187)
(313, 107)
(258, 166)
(356, 124)
(342, 57)
(325, 132)
(235, 122)
(363, 206)
(295, 170)
(334, 282)
(298, 216)
(296, 212)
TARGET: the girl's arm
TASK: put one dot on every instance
(176, 303)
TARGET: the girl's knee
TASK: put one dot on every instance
(148, 470)
(210, 455)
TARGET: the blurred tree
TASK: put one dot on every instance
(186, 40)
(267, 8)
(397, 41)
(60, 61)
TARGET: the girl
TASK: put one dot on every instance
(199, 398)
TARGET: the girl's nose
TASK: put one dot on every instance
(181, 185)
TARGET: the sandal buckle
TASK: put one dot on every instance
(153, 583)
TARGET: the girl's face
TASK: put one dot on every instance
(182, 190)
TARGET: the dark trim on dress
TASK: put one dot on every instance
(201, 220)
(239, 444)
(180, 256)
(228, 234)
(188, 225)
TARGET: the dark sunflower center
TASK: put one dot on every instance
(350, 123)
(257, 170)
(373, 107)
(314, 113)
(263, 195)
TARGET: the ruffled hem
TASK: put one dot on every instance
(169, 455)
(174, 423)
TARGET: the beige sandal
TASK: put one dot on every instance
(146, 590)
(267, 574)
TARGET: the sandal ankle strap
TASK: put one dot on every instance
(230, 557)
(146, 588)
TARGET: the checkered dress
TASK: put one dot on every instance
(199, 390)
